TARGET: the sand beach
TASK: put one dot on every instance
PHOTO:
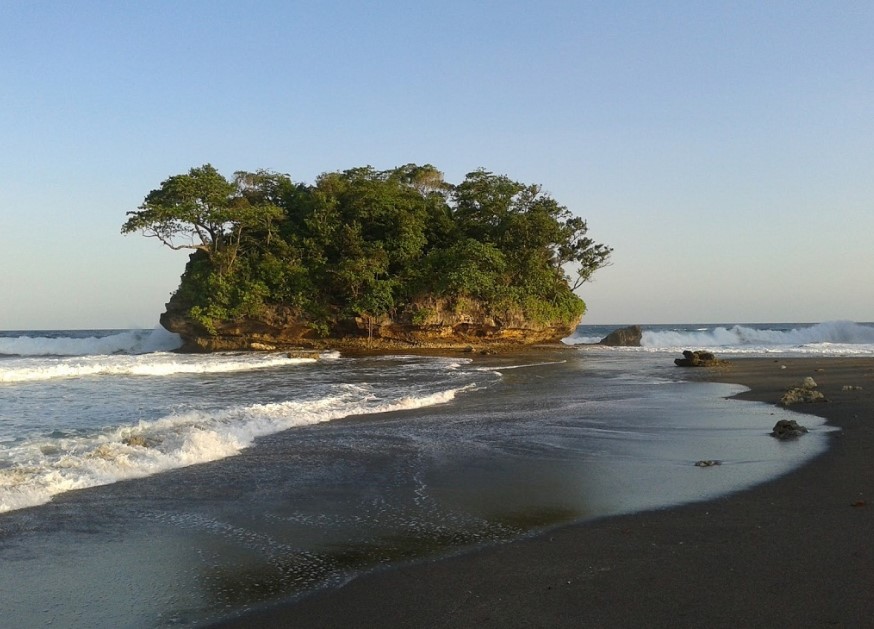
(793, 552)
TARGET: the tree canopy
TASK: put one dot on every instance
(368, 243)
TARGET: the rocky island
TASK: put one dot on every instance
(386, 259)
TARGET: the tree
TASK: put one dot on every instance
(425, 179)
(364, 243)
(583, 252)
(469, 268)
(374, 302)
(201, 210)
(532, 229)
(255, 207)
(482, 203)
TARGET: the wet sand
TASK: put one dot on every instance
(795, 552)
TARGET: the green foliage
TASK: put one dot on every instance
(202, 210)
(421, 315)
(321, 328)
(467, 267)
(368, 243)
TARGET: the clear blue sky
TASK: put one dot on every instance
(724, 149)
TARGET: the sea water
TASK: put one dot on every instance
(140, 487)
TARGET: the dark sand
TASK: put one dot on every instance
(795, 552)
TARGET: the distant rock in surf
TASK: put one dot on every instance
(141, 441)
(698, 359)
(624, 337)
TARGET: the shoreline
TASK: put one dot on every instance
(793, 551)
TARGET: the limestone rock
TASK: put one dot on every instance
(798, 395)
(803, 393)
(698, 359)
(624, 337)
(432, 322)
(787, 429)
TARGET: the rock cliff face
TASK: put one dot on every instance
(432, 323)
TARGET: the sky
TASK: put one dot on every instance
(725, 150)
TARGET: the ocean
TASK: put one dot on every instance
(144, 488)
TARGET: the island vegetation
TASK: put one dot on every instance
(396, 254)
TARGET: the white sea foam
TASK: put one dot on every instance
(578, 338)
(155, 364)
(37, 469)
(829, 338)
(500, 368)
(127, 342)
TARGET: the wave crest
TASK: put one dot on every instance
(44, 467)
(831, 332)
(155, 365)
(127, 342)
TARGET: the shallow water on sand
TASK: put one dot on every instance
(555, 438)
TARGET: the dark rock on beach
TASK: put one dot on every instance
(788, 429)
(624, 337)
(698, 359)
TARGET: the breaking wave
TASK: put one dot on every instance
(155, 364)
(39, 468)
(828, 338)
(832, 336)
(95, 343)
